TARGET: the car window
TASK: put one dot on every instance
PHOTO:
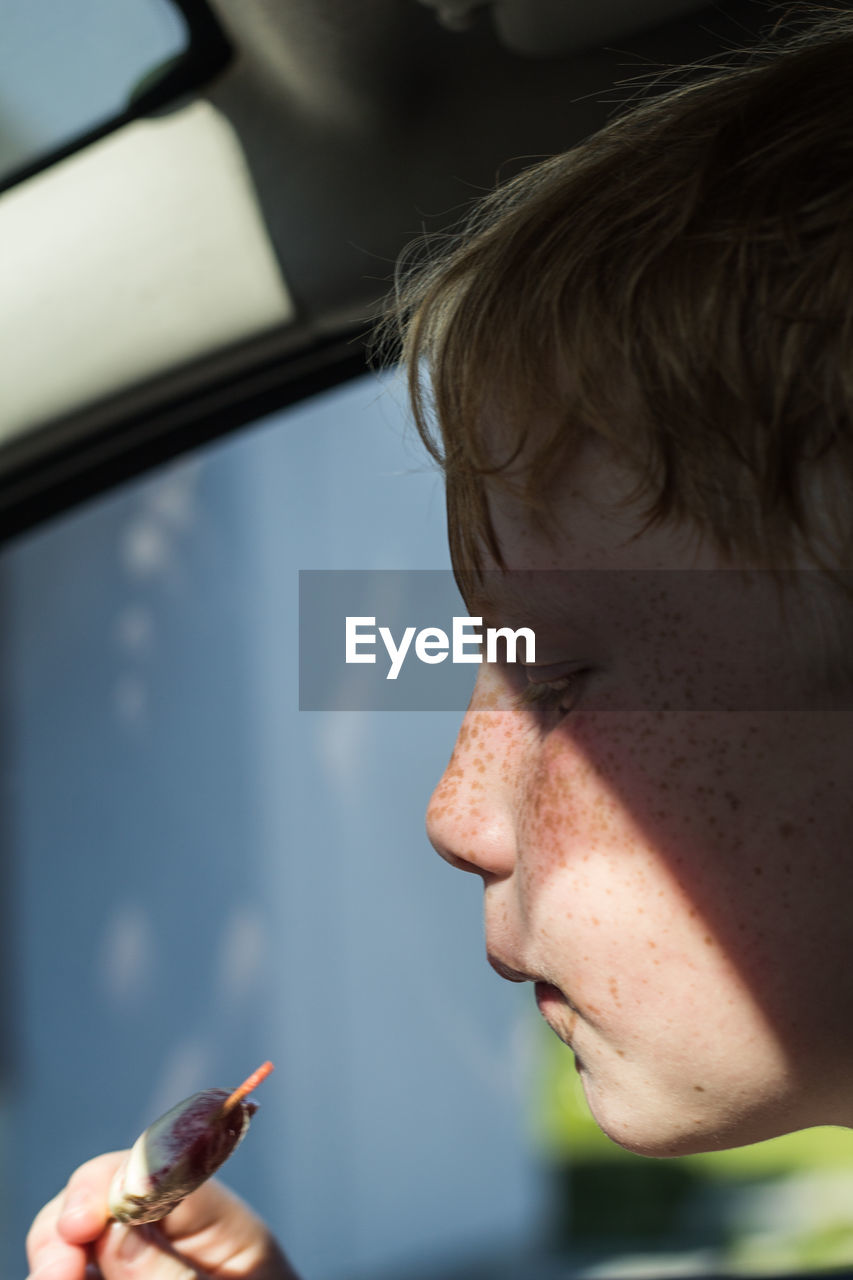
(65, 69)
(199, 876)
(204, 877)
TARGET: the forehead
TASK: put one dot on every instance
(590, 576)
(592, 518)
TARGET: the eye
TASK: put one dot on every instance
(559, 694)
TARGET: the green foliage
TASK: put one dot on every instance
(778, 1205)
(566, 1130)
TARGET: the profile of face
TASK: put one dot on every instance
(661, 812)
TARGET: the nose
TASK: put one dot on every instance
(470, 818)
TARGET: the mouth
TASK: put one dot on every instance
(549, 997)
(560, 1014)
(551, 1001)
(505, 971)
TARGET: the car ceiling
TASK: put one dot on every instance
(388, 122)
(340, 131)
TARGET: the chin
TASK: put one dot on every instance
(679, 1129)
(666, 1145)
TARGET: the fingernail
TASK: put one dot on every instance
(132, 1243)
(76, 1202)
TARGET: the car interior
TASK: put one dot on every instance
(202, 207)
(326, 137)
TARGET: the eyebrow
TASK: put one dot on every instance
(483, 603)
(510, 599)
(567, 603)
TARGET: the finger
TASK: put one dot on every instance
(84, 1211)
(47, 1254)
(213, 1213)
(61, 1262)
(123, 1252)
(43, 1227)
(220, 1234)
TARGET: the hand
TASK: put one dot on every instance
(211, 1233)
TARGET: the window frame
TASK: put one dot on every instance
(48, 471)
(208, 53)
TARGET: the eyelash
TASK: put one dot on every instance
(551, 695)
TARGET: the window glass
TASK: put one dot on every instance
(200, 876)
(206, 877)
(67, 68)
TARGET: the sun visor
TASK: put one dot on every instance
(128, 260)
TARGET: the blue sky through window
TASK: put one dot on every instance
(65, 68)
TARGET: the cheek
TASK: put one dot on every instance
(634, 794)
(587, 869)
(655, 845)
(573, 822)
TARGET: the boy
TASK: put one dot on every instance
(639, 367)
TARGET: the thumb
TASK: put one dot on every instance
(142, 1253)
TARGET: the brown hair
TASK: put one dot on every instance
(680, 285)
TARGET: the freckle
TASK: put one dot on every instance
(652, 944)
(786, 829)
(709, 941)
(698, 1088)
(620, 1053)
(758, 871)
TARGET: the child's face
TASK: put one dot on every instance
(667, 852)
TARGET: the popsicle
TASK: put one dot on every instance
(180, 1151)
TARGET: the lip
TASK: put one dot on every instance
(548, 997)
(560, 1014)
(506, 971)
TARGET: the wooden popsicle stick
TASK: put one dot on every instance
(249, 1084)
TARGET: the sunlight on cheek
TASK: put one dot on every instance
(572, 812)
